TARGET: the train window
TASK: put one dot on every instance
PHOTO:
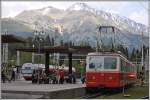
(26, 71)
(110, 63)
(123, 66)
(91, 65)
(95, 62)
(129, 68)
(28, 68)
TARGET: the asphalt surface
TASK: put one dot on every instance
(15, 89)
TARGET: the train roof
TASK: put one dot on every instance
(105, 53)
(43, 66)
(109, 54)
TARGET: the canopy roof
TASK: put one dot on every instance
(58, 49)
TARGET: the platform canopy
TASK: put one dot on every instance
(9, 38)
(48, 50)
(58, 49)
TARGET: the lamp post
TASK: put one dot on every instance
(33, 55)
(142, 59)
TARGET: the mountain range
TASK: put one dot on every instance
(78, 23)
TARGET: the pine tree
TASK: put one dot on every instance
(127, 54)
(61, 43)
(133, 55)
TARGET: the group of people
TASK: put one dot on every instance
(55, 76)
(5, 77)
(39, 76)
(142, 76)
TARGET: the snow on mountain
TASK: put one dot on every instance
(46, 10)
(79, 6)
(79, 23)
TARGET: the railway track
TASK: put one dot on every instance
(91, 96)
(105, 92)
(146, 97)
(101, 92)
(98, 93)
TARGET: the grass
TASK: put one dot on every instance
(135, 92)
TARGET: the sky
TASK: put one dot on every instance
(135, 10)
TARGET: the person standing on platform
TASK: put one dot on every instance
(61, 75)
(74, 77)
(3, 77)
(142, 73)
(83, 79)
(13, 75)
(57, 75)
(33, 76)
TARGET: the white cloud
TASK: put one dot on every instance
(112, 11)
(140, 17)
(115, 5)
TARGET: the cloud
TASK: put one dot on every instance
(140, 17)
(115, 5)
(113, 11)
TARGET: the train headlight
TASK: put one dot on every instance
(93, 77)
(110, 78)
(102, 74)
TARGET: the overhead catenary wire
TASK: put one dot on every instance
(124, 30)
(144, 6)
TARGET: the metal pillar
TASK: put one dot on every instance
(3, 53)
(18, 58)
(70, 63)
(33, 57)
(46, 63)
(114, 38)
(142, 60)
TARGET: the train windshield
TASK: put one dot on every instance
(110, 63)
(95, 63)
(26, 71)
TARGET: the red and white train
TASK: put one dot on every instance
(109, 70)
(27, 69)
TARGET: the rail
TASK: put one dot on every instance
(91, 96)
(146, 97)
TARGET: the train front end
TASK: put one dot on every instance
(102, 71)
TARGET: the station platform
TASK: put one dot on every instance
(26, 90)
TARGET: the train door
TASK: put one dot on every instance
(94, 68)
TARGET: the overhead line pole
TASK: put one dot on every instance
(142, 51)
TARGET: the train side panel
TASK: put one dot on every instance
(94, 79)
(103, 79)
(123, 74)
